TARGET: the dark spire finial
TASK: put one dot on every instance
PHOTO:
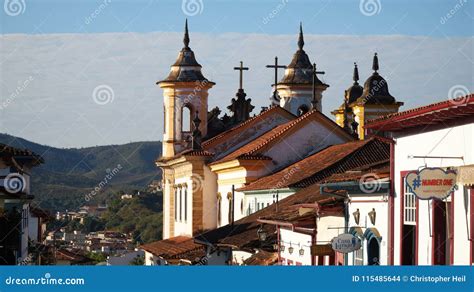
(355, 76)
(300, 38)
(375, 64)
(186, 35)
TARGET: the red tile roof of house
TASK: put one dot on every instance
(289, 212)
(243, 233)
(324, 163)
(432, 114)
(262, 258)
(175, 247)
(9, 151)
(255, 147)
(379, 170)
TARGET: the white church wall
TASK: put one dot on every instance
(310, 138)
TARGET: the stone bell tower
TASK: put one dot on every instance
(185, 93)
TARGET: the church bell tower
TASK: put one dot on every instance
(185, 95)
(300, 90)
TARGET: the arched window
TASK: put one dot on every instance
(302, 110)
(219, 201)
(230, 215)
(186, 118)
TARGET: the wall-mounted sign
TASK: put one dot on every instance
(431, 183)
(345, 243)
(321, 250)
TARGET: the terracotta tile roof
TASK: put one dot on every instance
(432, 114)
(262, 258)
(380, 170)
(324, 163)
(248, 123)
(243, 233)
(9, 151)
(254, 148)
(75, 257)
(175, 247)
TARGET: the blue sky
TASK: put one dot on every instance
(56, 55)
(407, 17)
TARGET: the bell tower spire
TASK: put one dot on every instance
(375, 63)
(300, 37)
(186, 35)
(185, 93)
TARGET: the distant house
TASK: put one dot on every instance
(66, 257)
(124, 259)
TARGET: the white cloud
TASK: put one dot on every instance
(57, 107)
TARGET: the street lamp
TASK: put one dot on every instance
(290, 249)
(372, 215)
(356, 215)
(262, 234)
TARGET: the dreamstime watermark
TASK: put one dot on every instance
(45, 280)
(197, 182)
(275, 12)
(287, 177)
(377, 85)
(452, 12)
(19, 89)
(94, 14)
(14, 7)
(104, 182)
(14, 183)
(103, 94)
(458, 94)
(370, 7)
(192, 7)
(188, 99)
(369, 183)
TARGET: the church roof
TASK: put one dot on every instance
(300, 70)
(254, 149)
(375, 88)
(322, 164)
(186, 68)
(247, 124)
(243, 233)
(434, 114)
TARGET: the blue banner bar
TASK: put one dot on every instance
(208, 278)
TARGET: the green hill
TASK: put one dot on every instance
(68, 175)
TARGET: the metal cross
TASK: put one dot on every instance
(241, 69)
(276, 67)
(315, 72)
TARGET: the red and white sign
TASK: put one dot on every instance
(430, 183)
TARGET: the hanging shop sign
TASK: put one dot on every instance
(321, 250)
(345, 243)
(430, 183)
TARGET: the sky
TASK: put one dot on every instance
(82, 73)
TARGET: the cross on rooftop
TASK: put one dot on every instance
(315, 72)
(241, 69)
(276, 67)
